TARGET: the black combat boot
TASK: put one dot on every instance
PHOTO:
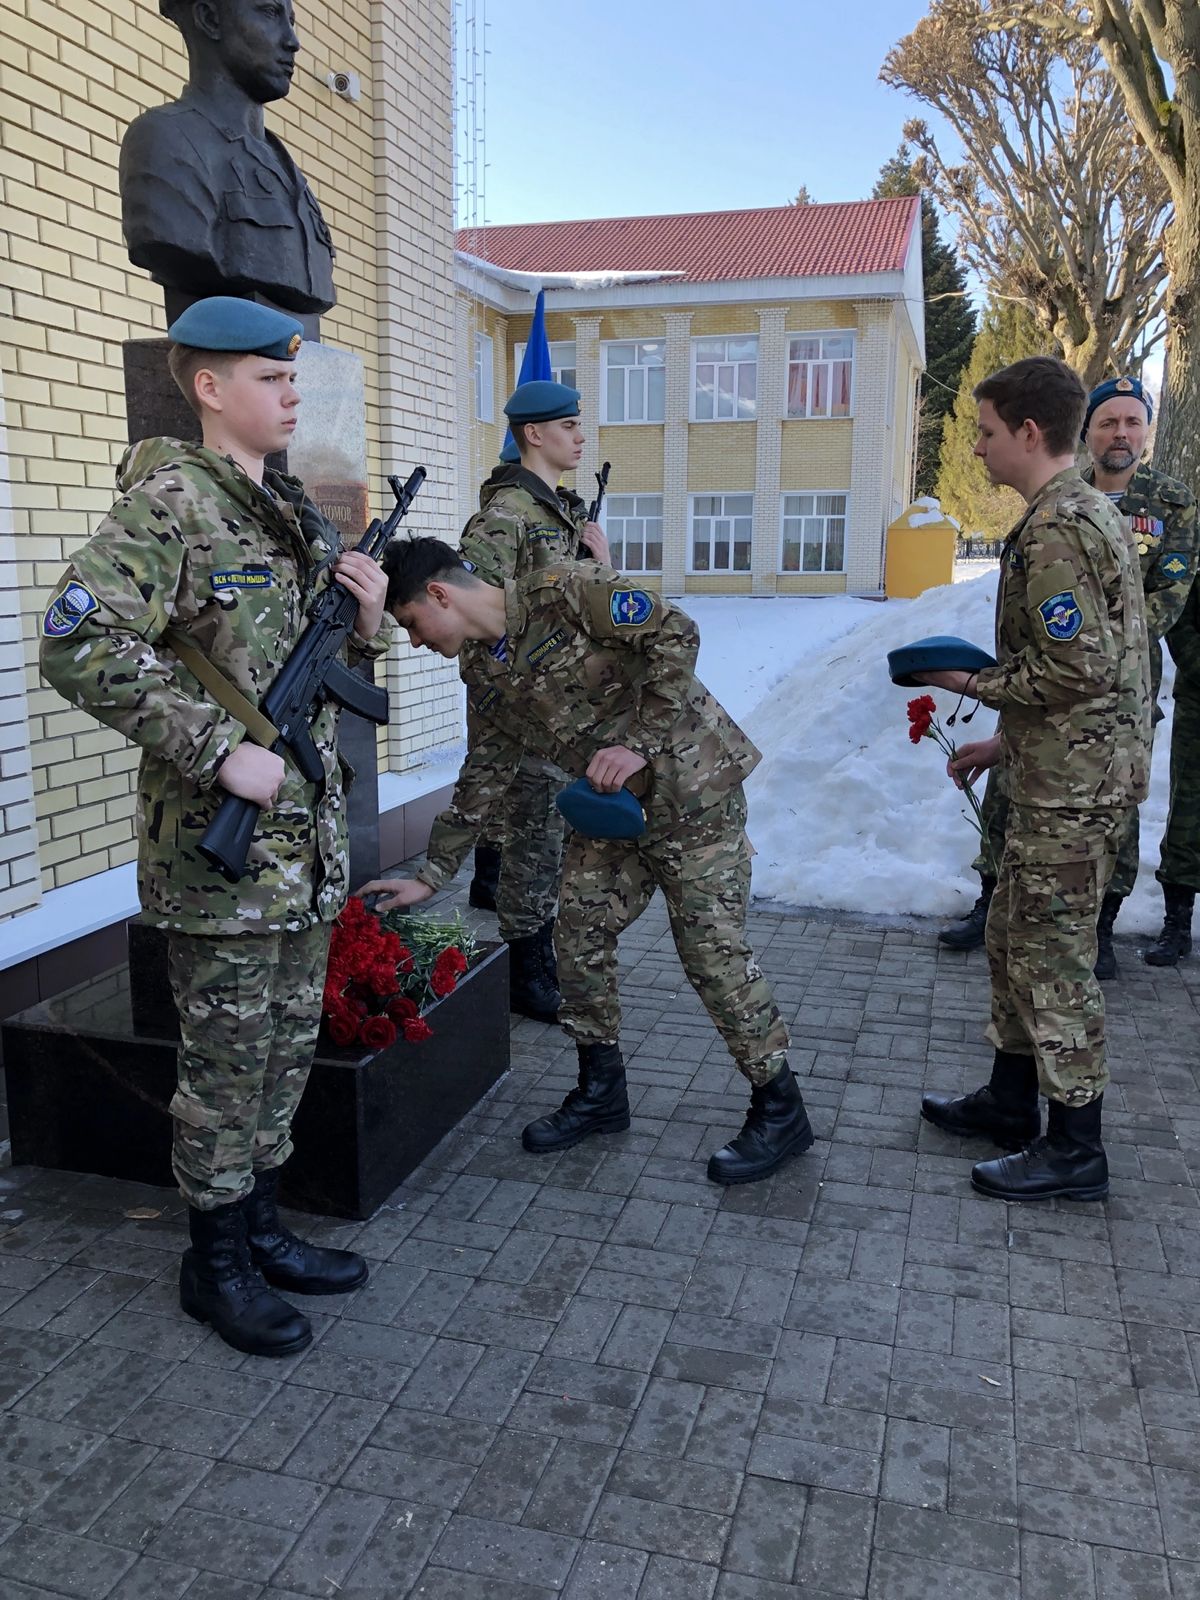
(287, 1261)
(1175, 940)
(968, 934)
(219, 1284)
(1106, 956)
(775, 1128)
(1005, 1110)
(1067, 1163)
(530, 991)
(600, 1104)
(549, 959)
(482, 893)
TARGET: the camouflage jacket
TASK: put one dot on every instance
(1183, 642)
(194, 544)
(521, 526)
(1162, 519)
(589, 662)
(1072, 680)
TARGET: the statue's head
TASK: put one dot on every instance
(255, 40)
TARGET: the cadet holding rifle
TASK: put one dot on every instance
(209, 551)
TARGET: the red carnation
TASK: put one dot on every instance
(442, 982)
(343, 1028)
(404, 961)
(402, 1010)
(417, 1030)
(377, 1033)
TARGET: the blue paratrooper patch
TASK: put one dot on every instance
(1061, 616)
(67, 610)
(1175, 565)
(629, 608)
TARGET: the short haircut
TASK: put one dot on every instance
(411, 564)
(185, 361)
(1039, 389)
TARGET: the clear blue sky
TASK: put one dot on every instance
(686, 106)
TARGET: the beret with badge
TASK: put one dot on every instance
(941, 652)
(1109, 390)
(242, 327)
(541, 401)
(601, 816)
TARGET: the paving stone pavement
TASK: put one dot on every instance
(598, 1375)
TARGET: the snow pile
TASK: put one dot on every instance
(846, 813)
(925, 511)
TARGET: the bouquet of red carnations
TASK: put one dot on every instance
(384, 971)
(923, 724)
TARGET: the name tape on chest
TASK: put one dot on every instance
(259, 578)
(544, 535)
(538, 652)
(630, 608)
(67, 610)
(1061, 616)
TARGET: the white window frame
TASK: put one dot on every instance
(639, 366)
(644, 517)
(819, 361)
(722, 516)
(824, 518)
(557, 367)
(737, 365)
(485, 383)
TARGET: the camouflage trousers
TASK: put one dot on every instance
(249, 1009)
(1179, 861)
(995, 809)
(703, 869)
(529, 830)
(1041, 945)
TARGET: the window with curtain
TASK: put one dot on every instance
(484, 402)
(725, 379)
(820, 375)
(562, 362)
(635, 381)
(721, 533)
(633, 523)
(813, 533)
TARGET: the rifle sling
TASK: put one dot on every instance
(227, 695)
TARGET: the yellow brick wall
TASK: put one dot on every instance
(805, 316)
(810, 583)
(717, 583)
(721, 457)
(75, 73)
(711, 321)
(816, 453)
(637, 458)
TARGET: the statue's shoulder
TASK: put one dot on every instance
(162, 136)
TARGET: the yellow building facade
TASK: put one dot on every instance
(74, 73)
(760, 431)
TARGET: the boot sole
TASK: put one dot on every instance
(1010, 1142)
(728, 1179)
(248, 1349)
(1098, 1191)
(1166, 961)
(610, 1125)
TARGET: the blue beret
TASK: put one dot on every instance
(941, 653)
(223, 322)
(541, 401)
(1111, 387)
(601, 816)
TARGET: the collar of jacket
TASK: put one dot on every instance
(518, 477)
(1141, 483)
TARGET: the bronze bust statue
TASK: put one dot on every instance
(211, 203)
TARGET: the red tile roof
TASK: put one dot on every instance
(859, 236)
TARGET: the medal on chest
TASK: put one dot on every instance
(1147, 533)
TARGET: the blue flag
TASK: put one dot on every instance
(535, 367)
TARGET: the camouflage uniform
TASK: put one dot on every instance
(1180, 860)
(522, 526)
(589, 663)
(193, 544)
(1162, 519)
(1072, 685)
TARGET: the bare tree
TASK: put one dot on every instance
(1152, 48)
(1055, 206)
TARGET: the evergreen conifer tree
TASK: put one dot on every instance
(1007, 333)
(949, 319)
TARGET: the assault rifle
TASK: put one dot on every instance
(313, 672)
(584, 553)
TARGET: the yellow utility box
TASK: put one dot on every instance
(920, 550)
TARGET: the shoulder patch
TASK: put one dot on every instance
(544, 535)
(629, 608)
(1174, 565)
(68, 609)
(1061, 616)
